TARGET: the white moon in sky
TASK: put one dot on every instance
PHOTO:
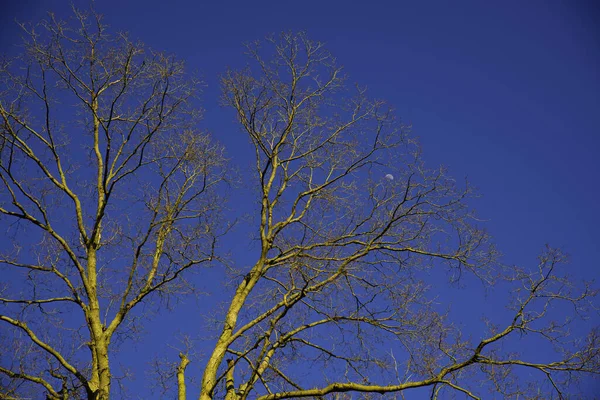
(390, 177)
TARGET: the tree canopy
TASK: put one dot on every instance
(113, 198)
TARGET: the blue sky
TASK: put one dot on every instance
(505, 93)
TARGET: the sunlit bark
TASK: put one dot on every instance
(101, 163)
(349, 219)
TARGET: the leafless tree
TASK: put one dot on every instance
(108, 196)
(349, 220)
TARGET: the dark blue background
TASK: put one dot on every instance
(506, 93)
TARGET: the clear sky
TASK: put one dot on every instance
(506, 93)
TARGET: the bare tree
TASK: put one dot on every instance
(107, 197)
(349, 220)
